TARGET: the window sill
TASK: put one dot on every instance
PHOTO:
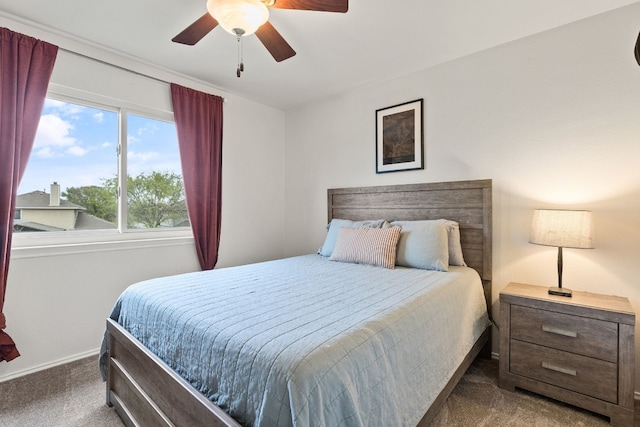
(34, 245)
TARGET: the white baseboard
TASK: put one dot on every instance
(49, 365)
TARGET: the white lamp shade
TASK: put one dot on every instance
(562, 228)
(244, 15)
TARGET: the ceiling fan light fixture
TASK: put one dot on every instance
(239, 17)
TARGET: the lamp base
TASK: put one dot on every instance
(563, 292)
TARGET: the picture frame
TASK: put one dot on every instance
(400, 137)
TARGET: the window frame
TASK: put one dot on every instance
(32, 244)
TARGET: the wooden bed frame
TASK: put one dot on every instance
(146, 392)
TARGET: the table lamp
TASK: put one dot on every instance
(563, 229)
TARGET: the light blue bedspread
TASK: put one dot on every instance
(308, 342)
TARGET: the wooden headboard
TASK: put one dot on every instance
(467, 202)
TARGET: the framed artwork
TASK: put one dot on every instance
(399, 137)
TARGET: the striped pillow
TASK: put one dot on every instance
(373, 246)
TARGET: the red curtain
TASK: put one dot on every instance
(198, 119)
(26, 65)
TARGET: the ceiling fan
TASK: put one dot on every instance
(245, 17)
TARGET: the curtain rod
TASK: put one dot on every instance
(119, 67)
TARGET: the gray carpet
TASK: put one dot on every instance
(70, 395)
(73, 396)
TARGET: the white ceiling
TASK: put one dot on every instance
(376, 39)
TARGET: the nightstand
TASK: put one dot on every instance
(578, 350)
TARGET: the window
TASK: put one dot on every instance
(155, 195)
(96, 167)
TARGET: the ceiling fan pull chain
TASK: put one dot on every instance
(241, 56)
(240, 63)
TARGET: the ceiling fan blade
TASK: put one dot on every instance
(274, 42)
(196, 31)
(318, 5)
(636, 50)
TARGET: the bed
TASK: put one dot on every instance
(344, 362)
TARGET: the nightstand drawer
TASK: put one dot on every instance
(566, 370)
(575, 334)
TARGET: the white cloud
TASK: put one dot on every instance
(54, 132)
(98, 117)
(132, 139)
(142, 157)
(150, 129)
(76, 150)
(106, 144)
(45, 153)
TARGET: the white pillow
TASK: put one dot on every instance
(373, 246)
(423, 244)
(455, 248)
(334, 226)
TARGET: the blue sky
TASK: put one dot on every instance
(76, 146)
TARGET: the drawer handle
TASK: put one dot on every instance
(555, 368)
(559, 331)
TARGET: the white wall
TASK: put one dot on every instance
(58, 299)
(553, 119)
